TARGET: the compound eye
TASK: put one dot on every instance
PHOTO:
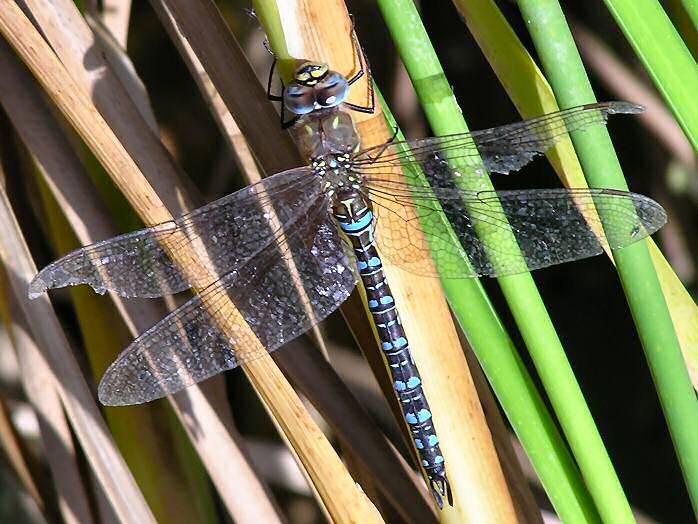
(332, 91)
(299, 99)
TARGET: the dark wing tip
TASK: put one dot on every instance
(649, 217)
(652, 214)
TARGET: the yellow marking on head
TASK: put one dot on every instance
(309, 73)
(318, 73)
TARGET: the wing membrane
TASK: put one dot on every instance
(188, 346)
(500, 149)
(224, 233)
(551, 226)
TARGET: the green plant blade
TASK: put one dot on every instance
(532, 95)
(565, 71)
(517, 393)
(525, 302)
(664, 55)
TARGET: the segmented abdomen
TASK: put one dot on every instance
(358, 225)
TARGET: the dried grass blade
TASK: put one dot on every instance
(226, 123)
(77, 47)
(11, 444)
(479, 487)
(82, 56)
(115, 14)
(209, 427)
(369, 447)
(39, 384)
(115, 478)
(339, 494)
(124, 69)
(208, 35)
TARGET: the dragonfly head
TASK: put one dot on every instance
(315, 87)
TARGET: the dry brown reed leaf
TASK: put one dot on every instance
(208, 423)
(39, 383)
(340, 496)
(215, 439)
(115, 14)
(204, 28)
(101, 452)
(319, 385)
(480, 490)
(15, 455)
(122, 67)
(226, 123)
(357, 433)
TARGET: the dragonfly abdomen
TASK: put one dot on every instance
(355, 217)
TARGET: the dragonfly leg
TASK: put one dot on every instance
(359, 53)
(285, 124)
(385, 146)
(364, 69)
(288, 123)
(270, 95)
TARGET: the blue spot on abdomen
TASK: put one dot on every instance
(413, 382)
(360, 224)
(423, 415)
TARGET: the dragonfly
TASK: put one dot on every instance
(324, 223)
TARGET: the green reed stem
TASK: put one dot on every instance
(564, 69)
(516, 392)
(481, 325)
(664, 54)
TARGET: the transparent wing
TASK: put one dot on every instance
(551, 226)
(187, 346)
(223, 233)
(499, 149)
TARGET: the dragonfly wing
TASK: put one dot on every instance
(224, 233)
(188, 346)
(500, 149)
(471, 231)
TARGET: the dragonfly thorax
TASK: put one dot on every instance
(326, 132)
(335, 171)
